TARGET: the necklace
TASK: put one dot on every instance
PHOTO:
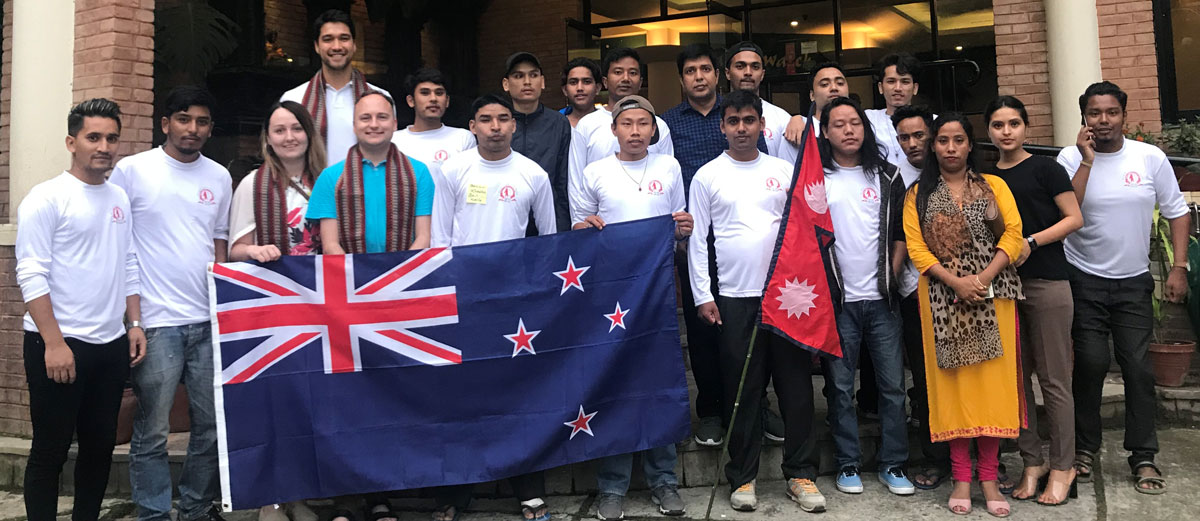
(636, 181)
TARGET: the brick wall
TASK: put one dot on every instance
(498, 39)
(5, 104)
(14, 398)
(1127, 58)
(1021, 63)
(289, 19)
(114, 59)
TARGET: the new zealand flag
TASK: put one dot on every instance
(364, 373)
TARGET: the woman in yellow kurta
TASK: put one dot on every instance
(963, 230)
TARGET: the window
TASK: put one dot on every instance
(1177, 31)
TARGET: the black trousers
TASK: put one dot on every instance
(1122, 309)
(790, 369)
(935, 454)
(86, 408)
(702, 344)
(525, 487)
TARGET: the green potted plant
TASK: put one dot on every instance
(1171, 358)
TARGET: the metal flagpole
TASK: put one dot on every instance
(737, 400)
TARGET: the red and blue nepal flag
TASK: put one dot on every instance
(802, 294)
(364, 373)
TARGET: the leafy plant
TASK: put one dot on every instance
(1140, 134)
(192, 37)
(1182, 139)
(1163, 255)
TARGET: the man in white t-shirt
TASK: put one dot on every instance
(1118, 183)
(487, 194)
(78, 274)
(330, 95)
(865, 194)
(593, 139)
(740, 197)
(179, 202)
(428, 140)
(629, 185)
(897, 82)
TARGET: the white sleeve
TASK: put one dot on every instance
(241, 210)
(582, 197)
(789, 152)
(468, 141)
(221, 227)
(37, 218)
(1166, 190)
(133, 274)
(120, 178)
(664, 146)
(576, 162)
(698, 244)
(1069, 162)
(543, 204)
(678, 201)
(442, 221)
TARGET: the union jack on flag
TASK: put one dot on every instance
(382, 311)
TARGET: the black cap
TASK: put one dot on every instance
(521, 57)
(742, 46)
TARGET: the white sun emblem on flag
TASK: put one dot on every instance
(815, 195)
(797, 298)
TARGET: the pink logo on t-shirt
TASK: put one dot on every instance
(1133, 179)
(869, 195)
(118, 215)
(773, 185)
(207, 197)
(767, 133)
(441, 155)
(508, 194)
(655, 187)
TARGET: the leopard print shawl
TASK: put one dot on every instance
(964, 242)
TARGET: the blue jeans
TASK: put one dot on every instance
(870, 324)
(614, 472)
(174, 354)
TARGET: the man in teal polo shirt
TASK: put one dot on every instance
(377, 199)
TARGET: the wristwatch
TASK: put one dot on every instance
(133, 324)
(1033, 245)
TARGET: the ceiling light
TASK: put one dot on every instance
(958, 47)
(795, 23)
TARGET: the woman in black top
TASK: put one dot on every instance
(1049, 212)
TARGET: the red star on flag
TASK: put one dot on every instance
(522, 340)
(571, 275)
(617, 318)
(581, 424)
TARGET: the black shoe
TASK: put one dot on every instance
(773, 428)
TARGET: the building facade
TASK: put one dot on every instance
(1044, 51)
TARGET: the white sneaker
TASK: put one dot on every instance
(744, 499)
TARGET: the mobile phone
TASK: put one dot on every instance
(991, 291)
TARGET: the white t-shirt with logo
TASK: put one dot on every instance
(854, 209)
(75, 243)
(776, 120)
(433, 147)
(593, 140)
(178, 209)
(480, 201)
(1118, 208)
(742, 203)
(339, 117)
(619, 191)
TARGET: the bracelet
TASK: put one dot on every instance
(1085, 163)
(1183, 267)
(980, 282)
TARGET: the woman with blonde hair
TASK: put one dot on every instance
(266, 218)
(963, 233)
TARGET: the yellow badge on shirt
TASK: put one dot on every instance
(477, 194)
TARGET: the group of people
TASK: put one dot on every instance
(937, 260)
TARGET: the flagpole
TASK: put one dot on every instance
(737, 400)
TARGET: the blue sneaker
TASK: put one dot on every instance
(897, 483)
(848, 480)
